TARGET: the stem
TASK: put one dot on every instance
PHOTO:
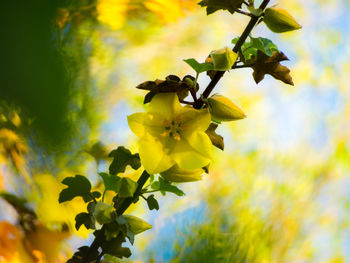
(218, 75)
(120, 210)
(103, 195)
(193, 90)
(244, 13)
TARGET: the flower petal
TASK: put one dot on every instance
(194, 120)
(153, 156)
(193, 152)
(143, 124)
(165, 104)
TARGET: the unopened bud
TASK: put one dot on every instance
(223, 59)
(223, 109)
(279, 20)
(178, 175)
(137, 225)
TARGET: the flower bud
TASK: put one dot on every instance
(222, 109)
(178, 175)
(223, 59)
(137, 225)
(102, 213)
(279, 20)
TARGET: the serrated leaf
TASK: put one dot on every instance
(152, 203)
(122, 157)
(164, 186)
(271, 65)
(84, 219)
(199, 67)
(77, 186)
(216, 139)
(110, 181)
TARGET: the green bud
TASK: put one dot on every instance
(137, 225)
(279, 20)
(103, 213)
(223, 109)
(223, 59)
(178, 175)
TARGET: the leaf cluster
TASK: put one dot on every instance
(172, 83)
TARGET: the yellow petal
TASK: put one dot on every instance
(165, 104)
(193, 152)
(194, 120)
(153, 156)
(143, 124)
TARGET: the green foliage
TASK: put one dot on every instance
(122, 157)
(110, 181)
(215, 5)
(85, 219)
(152, 203)
(77, 186)
(164, 186)
(250, 48)
(199, 67)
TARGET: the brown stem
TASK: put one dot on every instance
(218, 75)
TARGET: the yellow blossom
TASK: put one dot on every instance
(171, 134)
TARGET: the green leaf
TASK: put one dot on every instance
(110, 181)
(215, 5)
(103, 213)
(126, 187)
(77, 186)
(152, 203)
(199, 67)
(165, 186)
(112, 230)
(110, 259)
(122, 158)
(251, 47)
(114, 247)
(84, 219)
(216, 139)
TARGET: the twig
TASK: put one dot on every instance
(218, 75)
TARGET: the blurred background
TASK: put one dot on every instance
(278, 192)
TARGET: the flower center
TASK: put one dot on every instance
(172, 129)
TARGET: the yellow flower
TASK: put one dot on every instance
(171, 134)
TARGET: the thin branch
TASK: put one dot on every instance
(218, 75)
(244, 13)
